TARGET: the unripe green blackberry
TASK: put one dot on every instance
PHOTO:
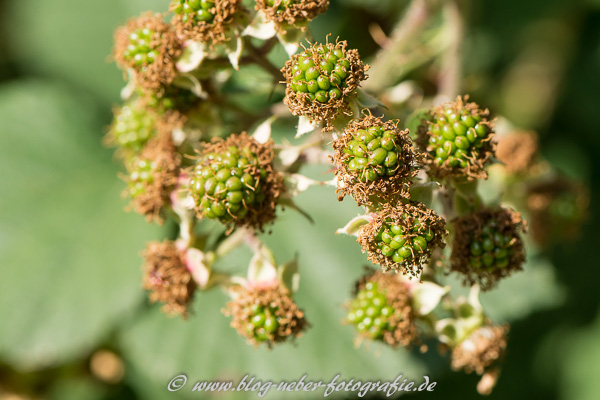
(132, 127)
(266, 314)
(195, 10)
(234, 181)
(143, 117)
(141, 176)
(292, 12)
(207, 21)
(381, 310)
(167, 277)
(148, 47)
(141, 50)
(402, 237)
(557, 208)
(152, 177)
(375, 161)
(321, 80)
(487, 246)
(457, 140)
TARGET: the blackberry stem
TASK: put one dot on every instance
(258, 56)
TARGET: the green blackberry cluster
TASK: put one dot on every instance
(226, 185)
(140, 51)
(490, 250)
(263, 323)
(133, 126)
(456, 138)
(141, 176)
(266, 315)
(370, 311)
(197, 10)
(456, 135)
(374, 153)
(402, 245)
(487, 246)
(321, 73)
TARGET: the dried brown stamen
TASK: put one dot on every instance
(167, 277)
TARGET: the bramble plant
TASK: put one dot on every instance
(189, 159)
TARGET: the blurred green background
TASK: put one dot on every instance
(70, 290)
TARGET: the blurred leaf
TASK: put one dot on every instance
(535, 288)
(72, 39)
(581, 368)
(68, 251)
(205, 347)
(76, 389)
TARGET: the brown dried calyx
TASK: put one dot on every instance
(482, 350)
(488, 235)
(301, 103)
(152, 195)
(295, 12)
(518, 151)
(216, 31)
(152, 76)
(254, 305)
(403, 331)
(421, 232)
(382, 178)
(167, 278)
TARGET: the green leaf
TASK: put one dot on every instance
(205, 347)
(535, 288)
(72, 39)
(580, 365)
(71, 268)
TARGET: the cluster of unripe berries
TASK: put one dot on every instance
(266, 314)
(140, 50)
(225, 185)
(487, 246)
(374, 153)
(456, 136)
(371, 312)
(133, 126)
(263, 322)
(141, 176)
(402, 245)
(198, 10)
(320, 73)
(491, 250)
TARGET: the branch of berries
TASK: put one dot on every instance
(174, 136)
